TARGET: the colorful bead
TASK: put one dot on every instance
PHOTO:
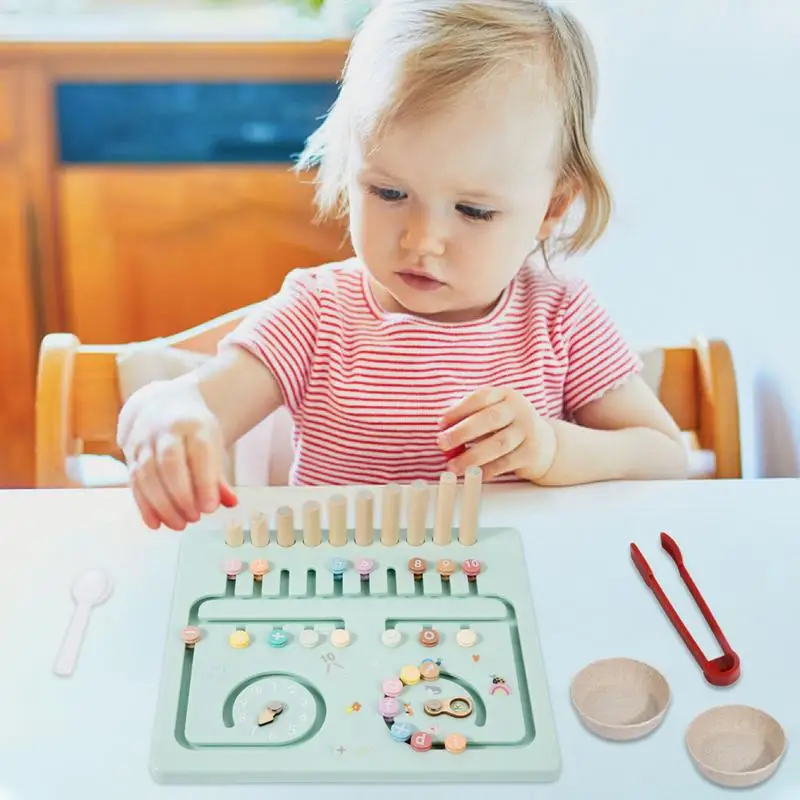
(259, 568)
(455, 743)
(340, 637)
(232, 567)
(364, 566)
(429, 671)
(421, 742)
(191, 636)
(401, 731)
(410, 675)
(466, 637)
(308, 638)
(417, 566)
(428, 637)
(389, 707)
(277, 638)
(471, 567)
(391, 637)
(338, 566)
(392, 687)
(445, 567)
(238, 640)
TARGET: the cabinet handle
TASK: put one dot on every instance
(35, 273)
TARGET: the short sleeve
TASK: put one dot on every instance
(598, 357)
(281, 332)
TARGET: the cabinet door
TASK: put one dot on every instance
(149, 251)
(18, 342)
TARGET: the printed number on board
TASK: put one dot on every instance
(472, 563)
(418, 563)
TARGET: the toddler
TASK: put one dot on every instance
(458, 148)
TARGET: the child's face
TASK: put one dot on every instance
(444, 213)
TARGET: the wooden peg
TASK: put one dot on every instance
(445, 507)
(337, 520)
(417, 513)
(312, 527)
(390, 514)
(234, 534)
(285, 524)
(259, 529)
(365, 524)
(470, 506)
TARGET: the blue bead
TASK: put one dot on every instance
(277, 638)
(338, 565)
(401, 731)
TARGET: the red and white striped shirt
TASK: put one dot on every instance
(366, 388)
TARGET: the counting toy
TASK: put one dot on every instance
(391, 651)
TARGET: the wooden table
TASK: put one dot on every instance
(88, 736)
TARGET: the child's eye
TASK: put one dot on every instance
(472, 212)
(389, 195)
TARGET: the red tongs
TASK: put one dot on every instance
(721, 671)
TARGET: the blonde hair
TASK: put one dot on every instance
(413, 55)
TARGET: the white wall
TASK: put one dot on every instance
(699, 133)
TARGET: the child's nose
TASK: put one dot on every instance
(423, 236)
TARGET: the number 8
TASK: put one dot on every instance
(418, 563)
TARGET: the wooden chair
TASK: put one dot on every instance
(78, 398)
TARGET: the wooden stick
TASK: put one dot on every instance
(445, 506)
(234, 534)
(285, 524)
(470, 506)
(259, 529)
(390, 514)
(365, 524)
(417, 513)
(337, 520)
(312, 526)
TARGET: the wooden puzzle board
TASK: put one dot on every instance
(316, 645)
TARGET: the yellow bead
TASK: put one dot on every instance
(239, 640)
(410, 675)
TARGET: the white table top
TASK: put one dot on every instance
(741, 543)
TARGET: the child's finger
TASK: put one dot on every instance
(148, 479)
(227, 496)
(173, 466)
(205, 467)
(495, 449)
(148, 514)
(482, 423)
(470, 405)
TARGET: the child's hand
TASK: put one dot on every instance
(502, 433)
(174, 448)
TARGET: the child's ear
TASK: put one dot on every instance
(562, 199)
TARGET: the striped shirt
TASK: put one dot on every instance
(366, 388)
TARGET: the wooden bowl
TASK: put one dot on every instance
(620, 699)
(736, 746)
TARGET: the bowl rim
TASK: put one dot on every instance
(751, 711)
(662, 710)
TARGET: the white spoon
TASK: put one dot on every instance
(90, 590)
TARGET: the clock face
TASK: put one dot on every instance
(274, 710)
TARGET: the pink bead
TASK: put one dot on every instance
(421, 742)
(392, 687)
(233, 566)
(364, 566)
(389, 707)
(472, 567)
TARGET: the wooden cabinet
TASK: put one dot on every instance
(96, 243)
(17, 340)
(149, 252)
